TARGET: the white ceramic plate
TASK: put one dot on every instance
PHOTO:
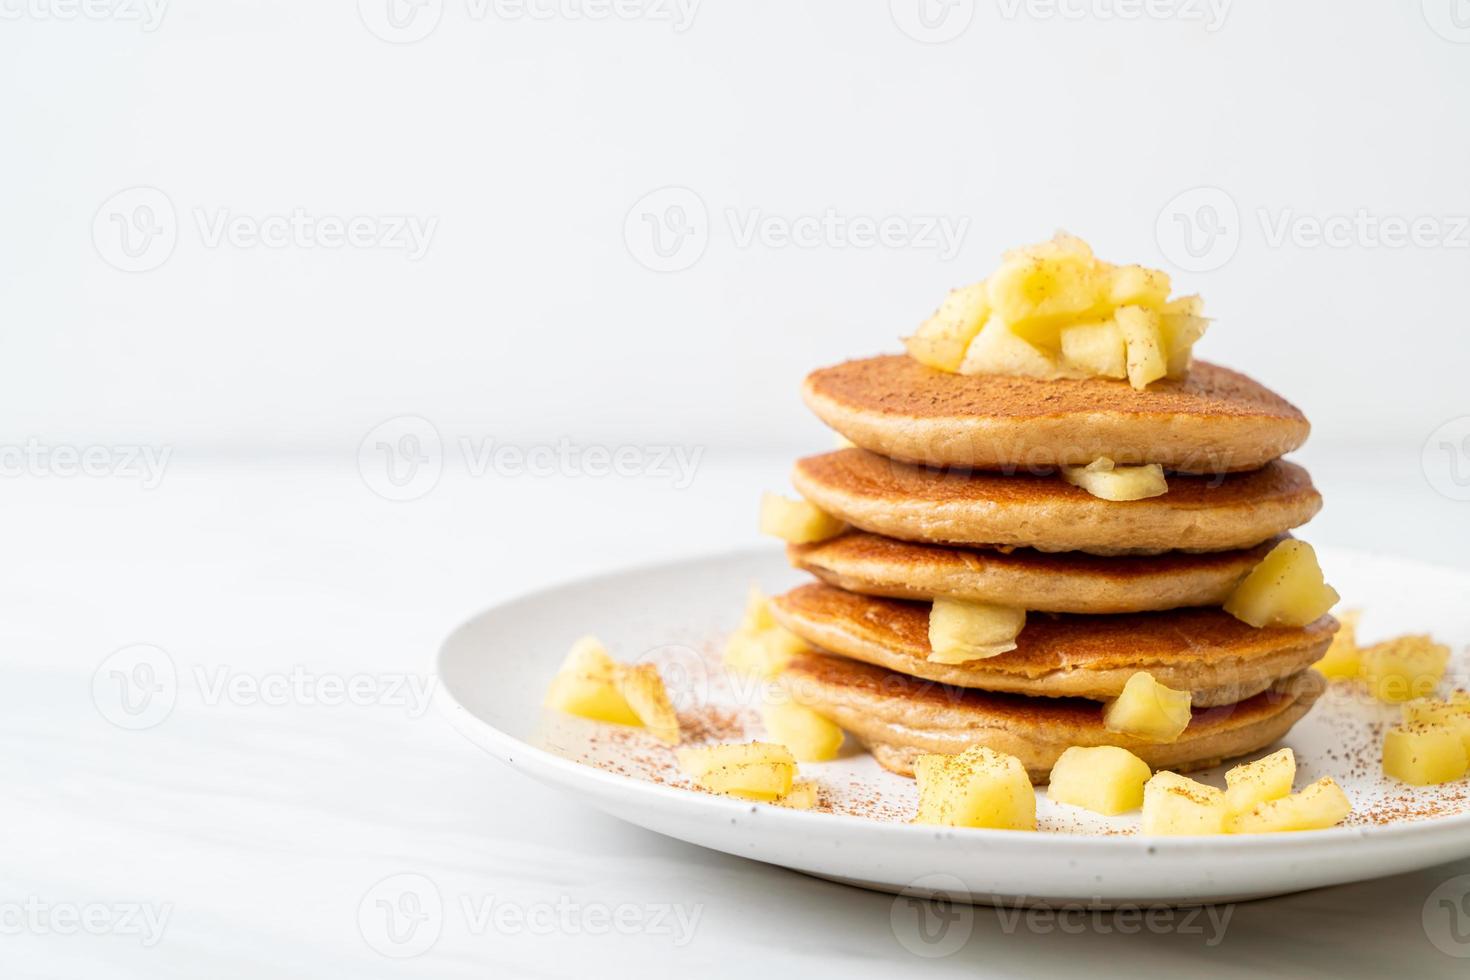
(493, 672)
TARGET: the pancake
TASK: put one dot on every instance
(899, 718)
(1072, 582)
(1214, 421)
(912, 503)
(1205, 651)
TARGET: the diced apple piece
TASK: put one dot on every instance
(644, 691)
(797, 521)
(1423, 755)
(763, 653)
(1404, 668)
(1148, 710)
(977, 788)
(1174, 805)
(761, 646)
(756, 770)
(942, 340)
(1104, 779)
(1181, 331)
(1106, 480)
(1321, 805)
(1184, 306)
(1039, 289)
(1343, 658)
(1135, 285)
(999, 351)
(801, 796)
(1095, 349)
(960, 632)
(809, 736)
(1148, 356)
(1446, 714)
(1285, 589)
(1268, 778)
(584, 686)
(757, 615)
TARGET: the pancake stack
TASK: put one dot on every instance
(950, 491)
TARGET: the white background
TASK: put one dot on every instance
(533, 319)
(530, 140)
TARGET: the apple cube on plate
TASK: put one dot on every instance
(644, 691)
(977, 788)
(1448, 714)
(1268, 778)
(585, 686)
(1174, 805)
(809, 736)
(755, 770)
(1404, 668)
(1104, 779)
(1424, 755)
(1321, 805)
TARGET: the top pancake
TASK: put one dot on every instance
(1214, 421)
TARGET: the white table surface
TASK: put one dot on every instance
(257, 830)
